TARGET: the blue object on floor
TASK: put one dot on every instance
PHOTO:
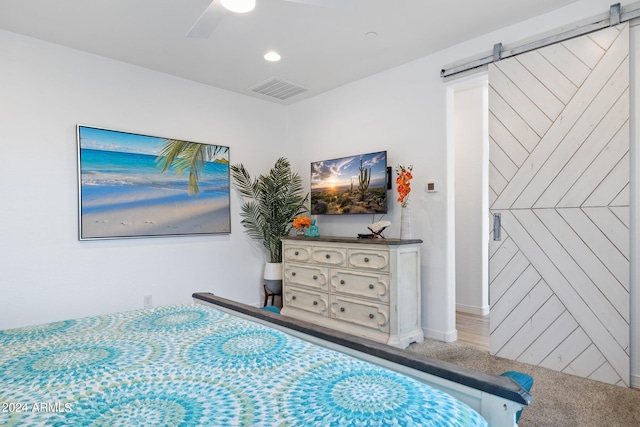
(525, 381)
(271, 308)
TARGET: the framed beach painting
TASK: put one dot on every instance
(133, 185)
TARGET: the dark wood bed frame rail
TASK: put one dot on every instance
(496, 385)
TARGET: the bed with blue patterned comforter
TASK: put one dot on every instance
(194, 365)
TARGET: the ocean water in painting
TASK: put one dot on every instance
(126, 194)
(113, 180)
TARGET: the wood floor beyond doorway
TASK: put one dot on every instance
(473, 329)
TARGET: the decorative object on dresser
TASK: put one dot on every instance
(369, 288)
(301, 224)
(313, 230)
(403, 182)
(377, 229)
(405, 223)
(274, 201)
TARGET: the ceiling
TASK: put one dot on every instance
(322, 48)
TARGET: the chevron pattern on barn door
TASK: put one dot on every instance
(559, 177)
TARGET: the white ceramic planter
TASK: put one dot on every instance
(273, 277)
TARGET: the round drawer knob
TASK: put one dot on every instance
(371, 286)
(315, 303)
(341, 308)
(342, 282)
(366, 259)
(293, 297)
(371, 316)
(296, 253)
(315, 277)
(293, 274)
(327, 256)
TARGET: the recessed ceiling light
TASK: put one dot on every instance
(371, 35)
(272, 56)
(239, 6)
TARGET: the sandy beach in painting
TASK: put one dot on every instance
(191, 217)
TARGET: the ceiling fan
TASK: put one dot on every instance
(212, 15)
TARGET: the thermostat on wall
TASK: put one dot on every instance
(432, 187)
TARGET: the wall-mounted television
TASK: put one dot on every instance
(350, 185)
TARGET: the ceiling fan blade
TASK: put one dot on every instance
(334, 4)
(208, 21)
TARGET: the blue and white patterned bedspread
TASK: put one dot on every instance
(193, 365)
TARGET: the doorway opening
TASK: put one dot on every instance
(471, 159)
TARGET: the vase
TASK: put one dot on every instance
(302, 231)
(405, 223)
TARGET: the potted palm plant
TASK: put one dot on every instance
(273, 201)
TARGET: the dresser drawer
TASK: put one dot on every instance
(300, 253)
(329, 256)
(360, 284)
(370, 315)
(370, 260)
(307, 300)
(306, 275)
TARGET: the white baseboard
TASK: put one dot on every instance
(635, 381)
(441, 336)
(472, 309)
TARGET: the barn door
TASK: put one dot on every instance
(559, 184)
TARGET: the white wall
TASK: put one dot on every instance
(46, 274)
(471, 145)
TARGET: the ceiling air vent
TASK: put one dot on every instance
(278, 88)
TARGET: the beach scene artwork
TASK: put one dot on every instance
(144, 186)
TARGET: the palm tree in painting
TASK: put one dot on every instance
(187, 156)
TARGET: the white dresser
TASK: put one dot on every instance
(365, 287)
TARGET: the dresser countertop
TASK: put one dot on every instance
(336, 239)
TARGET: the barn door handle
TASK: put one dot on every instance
(497, 227)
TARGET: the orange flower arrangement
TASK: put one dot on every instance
(302, 222)
(404, 183)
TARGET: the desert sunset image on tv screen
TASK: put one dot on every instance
(350, 185)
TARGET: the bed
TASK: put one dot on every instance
(211, 363)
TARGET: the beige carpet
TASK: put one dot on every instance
(558, 399)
